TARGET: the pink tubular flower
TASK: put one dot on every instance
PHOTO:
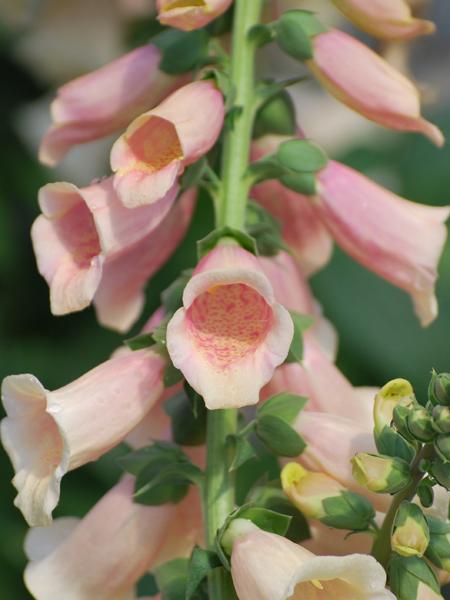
(230, 334)
(302, 230)
(365, 82)
(158, 145)
(190, 14)
(104, 101)
(102, 556)
(47, 434)
(266, 566)
(385, 19)
(399, 240)
(88, 245)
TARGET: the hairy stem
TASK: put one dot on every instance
(219, 496)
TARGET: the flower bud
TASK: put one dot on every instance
(439, 389)
(441, 418)
(438, 550)
(442, 446)
(420, 425)
(397, 392)
(410, 536)
(382, 474)
(413, 579)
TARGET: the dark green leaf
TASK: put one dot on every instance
(425, 493)
(188, 429)
(279, 436)
(285, 406)
(193, 174)
(171, 578)
(243, 452)
(182, 51)
(301, 324)
(138, 342)
(200, 564)
(171, 375)
(172, 296)
(441, 472)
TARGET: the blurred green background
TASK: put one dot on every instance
(379, 335)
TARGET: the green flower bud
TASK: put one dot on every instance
(410, 535)
(382, 474)
(413, 579)
(400, 419)
(441, 472)
(276, 116)
(398, 392)
(438, 550)
(442, 446)
(420, 425)
(293, 32)
(439, 389)
(441, 418)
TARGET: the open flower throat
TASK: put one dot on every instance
(154, 143)
(229, 321)
(321, 590)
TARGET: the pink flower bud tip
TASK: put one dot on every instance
(190, 14)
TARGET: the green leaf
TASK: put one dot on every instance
(391, 443)
(171, 578)
(201, 563)
(301, 156)
(172, 296)
(243, 452)
(182, 51)
(188, 429)
(171, 375)
(193, 174)
(285, 406)
(348, 511)
(141, 341)
(279, 436)
(407, 573)
(212, 239)
(301, 324)
(302, 183)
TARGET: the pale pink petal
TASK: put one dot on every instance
(302, 230)
(190, 14)
(47, 433)
(368, 84)
(102, 102)
(326, 541)
(385, 19)
(120, 296)
(230, 334)
(397, 239)
(106, 553)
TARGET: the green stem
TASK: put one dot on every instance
(238, 138)
(219, 497)
(381, 548)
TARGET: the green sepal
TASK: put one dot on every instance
(441, 419)
(439, 389)
(405, 574)
(301, 324)
(438, 550)
(182, 51)
(193, 174)
(171, 375)
(301, 156)
(348, 511)
(264, 229)
(206, 244)
(302, 183)
(442, 446)
(425, 493)
(172, 296)
(261, 35)
(243, 452)
(171, 578)
(276, 116)
(278, 436)
(139, 342)
(285, 406)
(201, 563)
(441, 472)
(293, 32)
(420, 425)
(268, 520)
(188, 429)
(400, 417)
(391, 443)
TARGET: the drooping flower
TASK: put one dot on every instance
(159, 144)
(397, 239)
(385, 19)
(365, 82)
(190, 14)
(106, 100)
(102, 556)
(46, 434)
(230, 334)
(89, 247)
(302, 229)
(266, 566)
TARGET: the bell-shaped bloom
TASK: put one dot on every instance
(89, 247)
(365, 82)
(302, 229)
(106, 100)
(190, 14)
(385, 19)
(102, 556)
(159, 144)
(230, 334)
(47, 434)
(397, 239)
(266, 566)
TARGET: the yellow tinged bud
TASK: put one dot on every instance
(410, 539)
(395, 392)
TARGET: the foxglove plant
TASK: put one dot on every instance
(241, 328)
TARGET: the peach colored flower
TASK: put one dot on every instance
(190, 14)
